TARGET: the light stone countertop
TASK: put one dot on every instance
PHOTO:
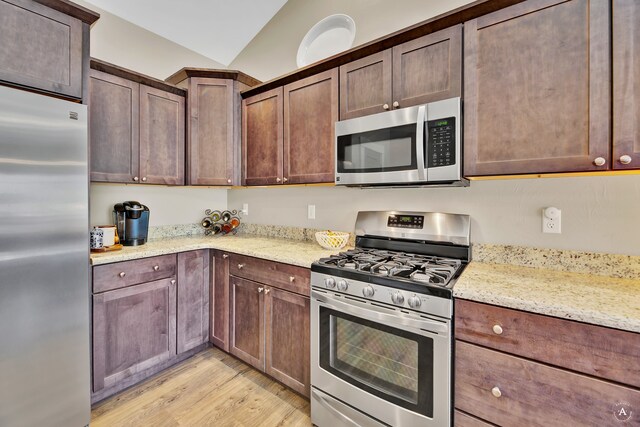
(288, 251)
(599, 300)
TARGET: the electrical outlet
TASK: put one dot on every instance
(551, 220)
(245, 209)
(311, 211)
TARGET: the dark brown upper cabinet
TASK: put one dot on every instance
(44, 48)
(422, 70)
(136, 127)
(213, 124)
(537, 89)
(626, 84)
(288, 132)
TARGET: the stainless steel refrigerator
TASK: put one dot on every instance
(44, 272)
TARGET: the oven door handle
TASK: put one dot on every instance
(373, 313)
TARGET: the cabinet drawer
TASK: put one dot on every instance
(532, 394)
(593, 350)
(285, 276)
(119, 275)
(460, 419)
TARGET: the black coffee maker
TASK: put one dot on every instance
(132, 221)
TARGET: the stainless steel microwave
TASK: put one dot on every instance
(416, 146)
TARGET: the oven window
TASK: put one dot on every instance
(390, 363)
(382, 150)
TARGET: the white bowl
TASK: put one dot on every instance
(332, 35)
(335, 240)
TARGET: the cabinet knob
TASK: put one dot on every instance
(144, 179)
(156, 267)
(278, 179)
(496, 392)
(625, 160)
(267, 290)
(225, 256)
(285, 179)
(240, 266)
(396, 104)
(599, 161)
(260, 289)
(173, 281)
(497, 329)
(122, 274)
(228, 181)
(292, 279)
(135, 178)
(385, 106)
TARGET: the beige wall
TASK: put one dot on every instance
(599, 214)
(120, 42)
(273, 51)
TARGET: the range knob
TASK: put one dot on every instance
(414, 301)
(368, 291)
(330, 282)
(397, 298)
(342, 285)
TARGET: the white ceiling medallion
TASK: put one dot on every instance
(332, 35)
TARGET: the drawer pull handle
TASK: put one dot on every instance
(260, 289)
(496, 392)
(122, 274)
(173, 281)
(225, 256)
(240, 266)
(266, 291)
(497, 329)
(292, 279)
(156, 267)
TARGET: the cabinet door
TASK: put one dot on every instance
(247, 321)
(428, 69)
(262, 149)
(113, 128)
(133, 329)
(310, 113)
(219, 327)
(161, 137)
(210, 132)
(287, 339)
(537, 88)
(41, 47)
(193, 299)
(365, 86)
(626, 84)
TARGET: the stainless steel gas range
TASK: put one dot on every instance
(381, 322)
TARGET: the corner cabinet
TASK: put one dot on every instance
(537, 87)
(192, 300)
(288, 132)
(626, 84)
(519, 368)
(213, 124)
(219, 300)
(136, 131)
(416, 72)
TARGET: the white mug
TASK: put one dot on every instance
(109, 234)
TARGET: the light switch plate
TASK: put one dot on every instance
(311, 211)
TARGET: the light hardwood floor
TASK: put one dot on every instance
(210, 389)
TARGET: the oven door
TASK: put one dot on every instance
(392, 365)
(385, 148)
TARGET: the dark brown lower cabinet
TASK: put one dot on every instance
(247, 321)
(134, 328)
(193, 299)
(287, 338)
(219, 300)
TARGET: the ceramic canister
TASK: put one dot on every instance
(97, 238)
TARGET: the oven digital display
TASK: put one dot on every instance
(405, 221)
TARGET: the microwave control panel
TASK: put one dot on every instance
(441, 147)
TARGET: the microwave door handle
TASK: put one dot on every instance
(420, 142)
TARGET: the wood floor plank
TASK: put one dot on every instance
(210, 389)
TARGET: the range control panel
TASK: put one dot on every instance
(405, 221)
(441, 146)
